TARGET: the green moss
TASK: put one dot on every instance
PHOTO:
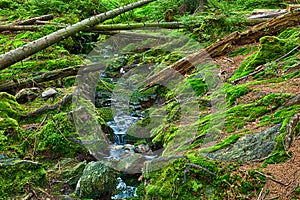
(106, 114)
(176, 182)
(243, 51)
(14, 180)
(279, 115)
(9, 106)
(270, 49)
(239, 115)
(234, 92)
(165, 134)
(54, 137)
(8, 124)
(225, 142)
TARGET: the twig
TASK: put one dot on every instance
(261, 194)
(195, 166)
(16, 161)
(29, 196)
(271, 178)
(43, 191)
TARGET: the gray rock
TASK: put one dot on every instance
(49, 93)
(142, 148)
(132, 163)
(27, 94)
(97, 181)
(249, 147)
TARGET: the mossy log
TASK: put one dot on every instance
(225, 45)
(33, 47)
(48, 76)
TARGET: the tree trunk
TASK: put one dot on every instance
(33, 47)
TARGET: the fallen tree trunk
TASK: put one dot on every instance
(33, 47)
(267, 14)
(18, 28)
(98, 28)
(187, 65)
(34, 19)
(170, 25)
(48, 76)
(39, 111)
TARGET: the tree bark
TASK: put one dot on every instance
(187, 65)
(19, 28)
(33, 47)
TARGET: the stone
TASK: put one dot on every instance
(131, 163)
(250, 147)
(97, 181)
(49, 93)
(27, 95)
(142, 148)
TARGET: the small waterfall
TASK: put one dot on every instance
(124, 191)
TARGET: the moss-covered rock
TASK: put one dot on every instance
(97, 181)
(9, 107)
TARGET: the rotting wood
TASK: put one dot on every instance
(35, 46)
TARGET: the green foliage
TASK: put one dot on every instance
(225, 142)
(250, 4)
(54, 137)
(9, 107)
(15, 180)
(234, 92)
(243, 51)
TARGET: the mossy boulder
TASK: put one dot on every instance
(9, 107)
(97, 181)
(249, 147)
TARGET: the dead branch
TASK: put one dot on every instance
(271, 178)
(191, 165)
(63, 102)
(34, 19)
(19, 28)
(111, 27)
